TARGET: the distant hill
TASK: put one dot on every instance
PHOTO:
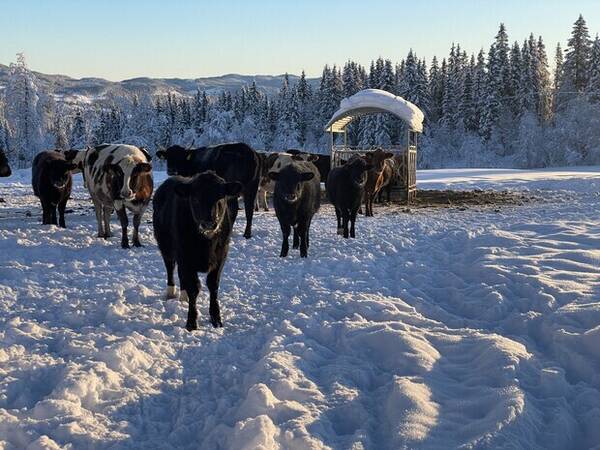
(86, 90)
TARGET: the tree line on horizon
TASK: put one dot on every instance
(504, 107)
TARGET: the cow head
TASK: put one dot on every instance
(357, 167)
(207, 195)
(4, 167)
(59, 172)
(289, 182)
(178, 160)
(124, 177)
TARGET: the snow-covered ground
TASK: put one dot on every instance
(438, 328)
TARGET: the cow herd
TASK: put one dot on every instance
(195, 208)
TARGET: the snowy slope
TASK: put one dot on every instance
(438, 328)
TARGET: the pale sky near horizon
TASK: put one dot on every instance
(186, 39)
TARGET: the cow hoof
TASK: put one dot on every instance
(125, 245)
(191, 326)
(247, 235)
(266, 209)
(171, 292)
(340, 231)
(183, 297)
(137, 244)
(216, 322)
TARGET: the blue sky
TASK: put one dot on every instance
(124, 39)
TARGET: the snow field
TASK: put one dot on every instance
(435, 329)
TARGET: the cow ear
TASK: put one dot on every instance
(70, 154)
(274, 176)
(183, 189)
(305, 176)
(297, 158)
(161, 154)
(145, 167)
(72, 166)
(313, 158)
(389, 155)
(232, 189)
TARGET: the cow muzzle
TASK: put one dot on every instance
(127, 195)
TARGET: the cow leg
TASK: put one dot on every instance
(45, 213)
(53, 213)
(389, 192)
(190, 283)
(62, 205)
(122, 214)
(99, 218)
(338, 216)
(256, 202)
(296, 238)
(345, 219)
(285, 246)
(107, 212)
(303, 232)
(352, 221)
(137, 219)
(170, 266)
(212, 282)
(249, 199)
(266, 200)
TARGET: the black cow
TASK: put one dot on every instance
(233, 162)
(296, 198)
(193, 219)
(321, 162)
(52, 183)
(345, 189)
(4, 167)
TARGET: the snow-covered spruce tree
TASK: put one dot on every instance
(543, 83)
(59, 130)
(302, 109)
(200, 112)
(516, 72)
(594, 77)
(558, 76)
(467, 107)
(24, 113)
(577, 60)
(491, 106)
(78, 134)
(285, 137)
(437, 84)
(525, 94)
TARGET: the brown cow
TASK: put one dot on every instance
(374, 158)
(387, 176)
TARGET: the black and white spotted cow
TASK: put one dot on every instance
(118, 177)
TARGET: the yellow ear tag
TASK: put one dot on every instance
(189, 157)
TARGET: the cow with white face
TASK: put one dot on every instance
(274, 163)
(118, 177)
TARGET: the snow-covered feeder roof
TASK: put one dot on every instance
(375, 101)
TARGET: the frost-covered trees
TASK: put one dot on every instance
(499, 107)
(24, 113)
